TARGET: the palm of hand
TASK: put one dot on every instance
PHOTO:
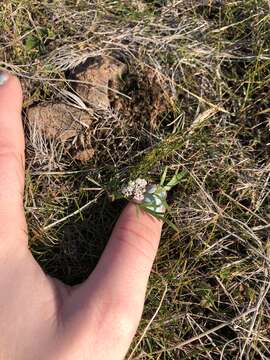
(41, 318)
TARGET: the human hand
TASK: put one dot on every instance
(40, 317)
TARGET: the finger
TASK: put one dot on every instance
(127, 261)
(121, 275)
(12, 222)
(110, 303)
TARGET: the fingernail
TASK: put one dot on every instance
(3, 77)
(155, 198)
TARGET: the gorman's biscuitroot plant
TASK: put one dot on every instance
(153, 197)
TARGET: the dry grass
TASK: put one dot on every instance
(208, 296)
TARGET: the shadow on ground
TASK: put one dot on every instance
(79, 244)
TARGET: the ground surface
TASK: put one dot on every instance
(193, 95)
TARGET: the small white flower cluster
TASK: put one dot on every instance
(135, 189)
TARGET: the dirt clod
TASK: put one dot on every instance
(147, 98)
(84, 155)
(59, 120)
(99, 79)
(145, 102)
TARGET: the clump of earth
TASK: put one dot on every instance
(105, 85)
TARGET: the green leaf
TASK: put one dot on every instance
(31, 42)
(176, 179)
(171, 224)
(163, 177)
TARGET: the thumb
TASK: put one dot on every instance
(111, 300)
(127, 261)
(119, 281)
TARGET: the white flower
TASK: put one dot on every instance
(135, 189)
(127, 190)
(141, 183)
(139, 197)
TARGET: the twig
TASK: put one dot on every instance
(206, 333)
(74, 213)
(264, 293)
